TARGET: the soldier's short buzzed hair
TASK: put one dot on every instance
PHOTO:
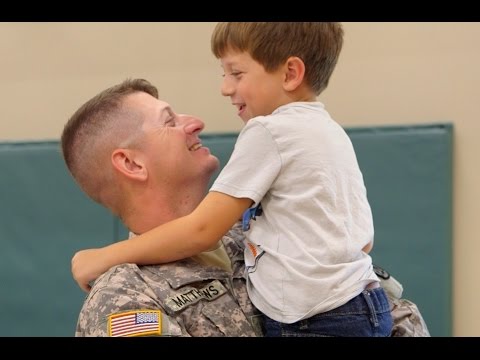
(95, 129)
(318, 44)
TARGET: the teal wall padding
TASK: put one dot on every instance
(45, 218)
(408, 174)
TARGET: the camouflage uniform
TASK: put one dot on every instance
(192, 299)
(407, 319)
(199, 300)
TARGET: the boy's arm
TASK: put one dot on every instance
(177, 239)
(367, 248)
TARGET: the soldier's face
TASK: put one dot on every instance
(171, 144)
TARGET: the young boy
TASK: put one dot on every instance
(294, 171)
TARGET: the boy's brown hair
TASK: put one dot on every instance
(318, 44)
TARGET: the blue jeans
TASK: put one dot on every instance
(367, 314)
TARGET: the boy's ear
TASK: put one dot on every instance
(294, 73)
(129, 163)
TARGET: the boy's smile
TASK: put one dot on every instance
(252, 90)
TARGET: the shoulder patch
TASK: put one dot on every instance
(135, 323)
(191, 296)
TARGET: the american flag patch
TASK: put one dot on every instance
(135, 323)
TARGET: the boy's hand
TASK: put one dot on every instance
(87, 265)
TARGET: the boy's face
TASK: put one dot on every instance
(252, 90)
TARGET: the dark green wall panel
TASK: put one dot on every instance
(45, 218)
(408, 174)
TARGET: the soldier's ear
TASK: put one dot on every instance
(129, 163)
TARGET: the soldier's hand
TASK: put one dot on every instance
(87, 265)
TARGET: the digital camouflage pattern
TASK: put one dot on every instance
(199, 300)
(195, 300)
(407, 319)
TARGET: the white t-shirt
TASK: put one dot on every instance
(303, 254)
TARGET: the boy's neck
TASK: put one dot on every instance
(303, 93)
(299, 98)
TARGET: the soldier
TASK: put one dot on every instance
(133, 154)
